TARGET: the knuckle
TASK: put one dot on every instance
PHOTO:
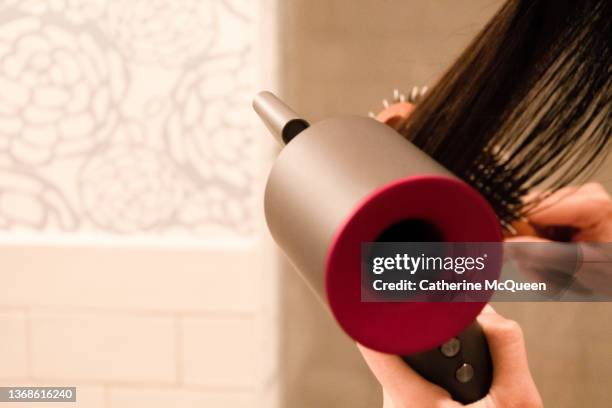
(594, 186)
(598, 192)
(509, 328)
(491, 321)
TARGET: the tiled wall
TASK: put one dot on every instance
(133, 263)
(196, 329)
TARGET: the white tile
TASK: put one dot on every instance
(97, 346)
(179, 398)
(155, 278)
(13, 344)
(220, 351)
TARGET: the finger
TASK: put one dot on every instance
(544, 261)
(595, 273)
(578, 207)
(512, 380)
(398, 379)
(487, 309)
(507, 347)
(521, 228)
(387, 401)
(526, 238)
(396, 114)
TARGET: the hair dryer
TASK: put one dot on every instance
(348, 180)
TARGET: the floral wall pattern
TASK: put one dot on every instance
(127, 117)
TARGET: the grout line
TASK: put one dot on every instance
(134, 384)
(28, 345)
(107, 399)
(13, 308)
(131, 312)
(178, 327)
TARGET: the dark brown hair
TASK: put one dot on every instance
(527, 102)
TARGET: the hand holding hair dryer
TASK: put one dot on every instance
(348, 180)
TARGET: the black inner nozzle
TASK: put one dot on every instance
(292, 129)
(411, 230)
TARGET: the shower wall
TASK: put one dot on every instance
(134, 262)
